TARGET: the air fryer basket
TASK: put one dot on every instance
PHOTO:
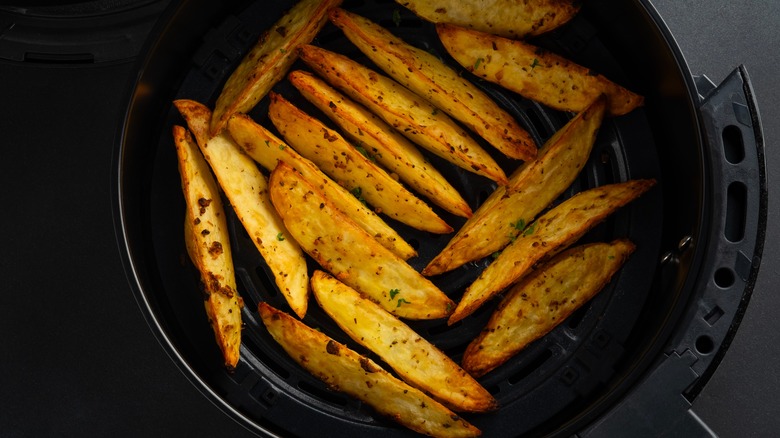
(662, 323)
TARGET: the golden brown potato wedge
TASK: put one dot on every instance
(531, 188)
(416, 360)
(268, 61)
(247, 190)
(405, 111)
(429, 77)
(344, 249)
(344, 370)
(208, 245)
(381, 142)
(542, 300)
(552, 232)
(508, 18)
(537, 74)
(268, 151)
(355, 171)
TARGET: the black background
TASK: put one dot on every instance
(77, 357)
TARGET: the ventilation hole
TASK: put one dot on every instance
(735, 212)
(323, 394)
(576, 318)
(733, 146)
(713, 315)
(704, 344)
(532, 366)
(724, 277)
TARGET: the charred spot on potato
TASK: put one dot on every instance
(332, 348)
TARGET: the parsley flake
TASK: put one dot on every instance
(519, 225)
(279, 236)
(364, 152)
(358, 193)
(402, 301)
(281, 147)
(535, 63)
(393, 293)
(476, 64)
(530, 229)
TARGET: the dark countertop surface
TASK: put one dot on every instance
(80, 360)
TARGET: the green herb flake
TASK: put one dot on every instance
(393, 293)
(611, 257)
(476, 64)
(519, 225)
(282, 51)
(396, 17)
(435, 111)
(530, 230)
(281, 147)
(495, 255)
(279, 236)
(364, 152)
(402, 301)
(535, 63)
(268, 143)
(358, 193)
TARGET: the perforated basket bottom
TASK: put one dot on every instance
(547, 382)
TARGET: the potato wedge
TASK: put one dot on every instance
(544, 299)
(268, 61)
(381, 142)
(405, 111)
(537, 74)
(345, 164)
(507, 18)
(341, 247)
(208, 245)
(426, 75)
(417, 361)
(531, 188)
(344, 370)
(552, 232)
(247, 190)
(268, 151)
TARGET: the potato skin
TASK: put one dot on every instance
(532, 187)
(410, 114)
(344, 249)
(208, 245)
(342, 369)
(269, 60)
(542, 300)
(413, 358)
(553, 232)
(434, 80)
(268, 150)
(247, 190)
(508, 18)
(533, 72)
(383, 143)
(356, 172)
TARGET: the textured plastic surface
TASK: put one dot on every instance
(736, 222)
(81, 33)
